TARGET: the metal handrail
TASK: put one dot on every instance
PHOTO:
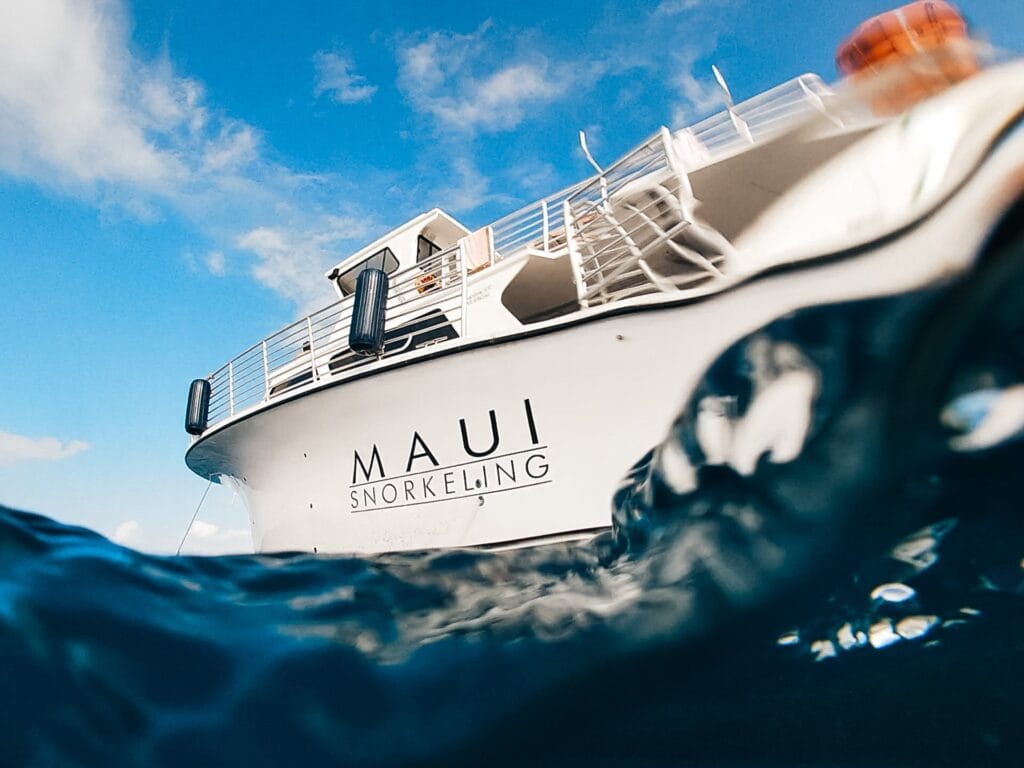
(304, 351)
(608, 250)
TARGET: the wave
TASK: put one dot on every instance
(821, 564)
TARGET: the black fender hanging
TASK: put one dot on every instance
(198, 408)
(366, 333)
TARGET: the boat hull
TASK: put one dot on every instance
(504, 442)
(524, 438)
(500, 444)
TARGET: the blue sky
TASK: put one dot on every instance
(175, 176)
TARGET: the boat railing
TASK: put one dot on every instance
(633, 228)
(541, 225)
(426, 305)
(609, 224)
(756, 119)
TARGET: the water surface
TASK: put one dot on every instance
(808, 571)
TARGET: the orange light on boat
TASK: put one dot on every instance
(928, 39)
(899, 33)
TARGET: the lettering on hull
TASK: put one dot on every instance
(484, 466)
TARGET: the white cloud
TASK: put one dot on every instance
(203, 539)
(700, 95)
(292, 261)
(80, 113)
(233, 148)
(336, 76)
(675, 7)
(216, 263)
(128, 534)
(468, 190)
(495, 79)
(15, 448)
(465, 84)
(210, 539)
(64, 114)
(534, 177)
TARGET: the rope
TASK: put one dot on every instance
(194, 516)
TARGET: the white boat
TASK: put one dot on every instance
(514, 373)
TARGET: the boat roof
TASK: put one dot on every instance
(434, 218)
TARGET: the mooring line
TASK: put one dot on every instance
(194, 516)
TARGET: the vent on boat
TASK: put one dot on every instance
(366, 334)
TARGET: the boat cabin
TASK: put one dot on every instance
(434, 252)
(412, 243)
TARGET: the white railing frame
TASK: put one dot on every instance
(266, 371)
(312, 353)
(464, 279)
(574, 254)
(545, 225)
(530, 226)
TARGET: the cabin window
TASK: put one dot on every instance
(425, 249)
(383, 259)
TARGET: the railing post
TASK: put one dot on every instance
(231, 388)
(574, 254)
(266, 372)
(544, 214)
(464, 275)
(312, 354)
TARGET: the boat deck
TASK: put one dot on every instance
(630, 230)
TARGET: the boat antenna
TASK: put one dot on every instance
(194, 516)
(598, 168)
(586, 153)
(722, 84)
(738, 122)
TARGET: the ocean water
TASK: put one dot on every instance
(822, 564)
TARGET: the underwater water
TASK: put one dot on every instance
(822, 564)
